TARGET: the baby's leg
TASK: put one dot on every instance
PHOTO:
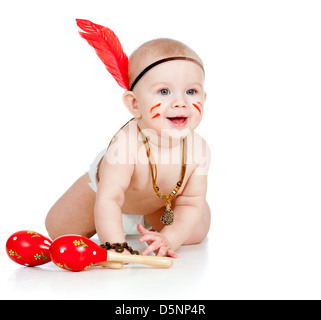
(74, 211)
(201, 230)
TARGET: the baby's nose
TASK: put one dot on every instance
(179, 101)
(179, 106)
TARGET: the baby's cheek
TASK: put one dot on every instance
(153, 113)
(198, 106)
(197, 116)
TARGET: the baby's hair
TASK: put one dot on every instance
(154, 50)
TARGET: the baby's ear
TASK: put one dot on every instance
(130, 102)
(204, 97)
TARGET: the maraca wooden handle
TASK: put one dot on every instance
(161, 262)
(111, 264)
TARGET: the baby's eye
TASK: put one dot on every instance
(191, 92)
(164, 92)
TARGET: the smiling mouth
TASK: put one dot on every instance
(178, 121)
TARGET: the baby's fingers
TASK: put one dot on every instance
(162, 252)
(171, 253)
(152, 236)
(166, 252)
(142, 230)
(154, 246)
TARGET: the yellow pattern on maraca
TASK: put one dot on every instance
(12, 253)
(38, 256)
(62, 266)
(35, 234)
(79, 242)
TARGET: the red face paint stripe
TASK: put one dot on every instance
(200, 104)
(157, 105)
(156, 115)
(197, 107)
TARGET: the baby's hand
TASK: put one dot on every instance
(156, 242)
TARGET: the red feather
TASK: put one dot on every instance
(108, 49)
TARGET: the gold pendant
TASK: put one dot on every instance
(168, 216)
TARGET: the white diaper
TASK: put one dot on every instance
(92, 172)
(130, 221)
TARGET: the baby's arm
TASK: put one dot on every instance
(114, 180)
(188, 211)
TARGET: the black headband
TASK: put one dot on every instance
(162, 61)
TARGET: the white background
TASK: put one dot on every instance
(60, 107)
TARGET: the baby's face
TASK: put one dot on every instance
(171, 96)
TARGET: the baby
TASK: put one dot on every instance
(153, 176)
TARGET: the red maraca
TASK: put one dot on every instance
(76, 253)
(28, 248)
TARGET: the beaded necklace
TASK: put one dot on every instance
(168, 215)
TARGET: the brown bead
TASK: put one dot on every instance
(119, 249)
